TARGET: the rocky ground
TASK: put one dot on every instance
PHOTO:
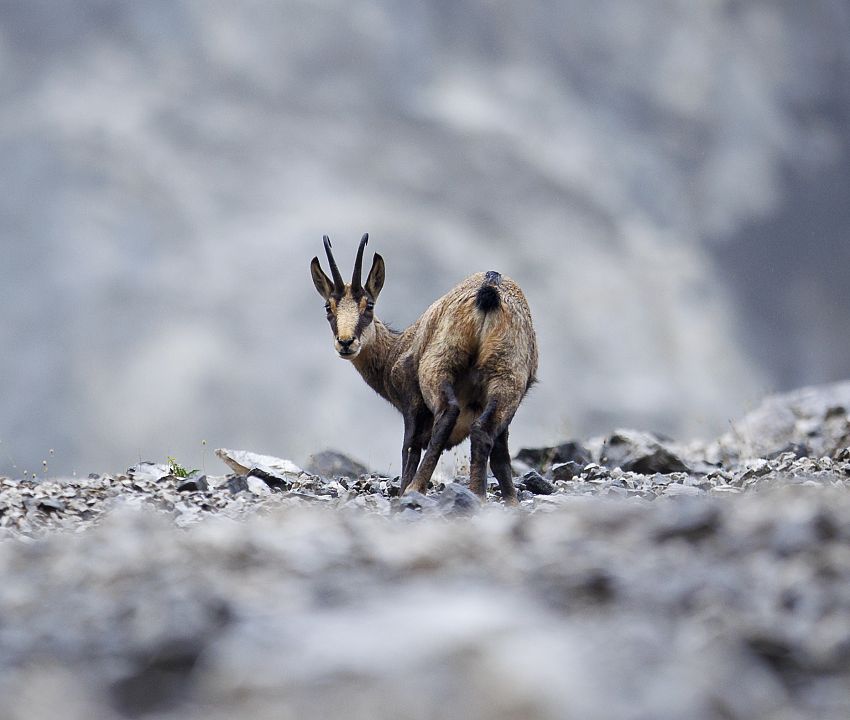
(639, 578)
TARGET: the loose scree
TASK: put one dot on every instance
(461, 370)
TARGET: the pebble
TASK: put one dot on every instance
(691, 490)
(537, 484)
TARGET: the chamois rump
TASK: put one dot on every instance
(461, 370)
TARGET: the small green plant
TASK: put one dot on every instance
(177, 470)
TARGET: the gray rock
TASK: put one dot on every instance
(458, 500)
(641, 453)
(273, 481)
(257, 485)
(194, 484)
(49, 505)
(237, 484)
(658, 460)
(795, 450)
(542, 459)
(534, 482)
(330, 463)
(245, 462)
(811, 419)
(148, 471)
(566, 470)
(416, 501)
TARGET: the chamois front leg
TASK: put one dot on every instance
(445, 417)
(411, 449)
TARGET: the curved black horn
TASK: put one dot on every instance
(339, 285)
(358, 263)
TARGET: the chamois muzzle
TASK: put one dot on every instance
(347, 348)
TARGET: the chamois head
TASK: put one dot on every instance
(350, 307)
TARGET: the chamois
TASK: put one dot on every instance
(461, 370)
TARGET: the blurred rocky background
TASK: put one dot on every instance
(668, 180)
(637, 579)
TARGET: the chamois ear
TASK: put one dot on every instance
(375, 281)
(320, 280)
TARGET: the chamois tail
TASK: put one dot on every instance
(487, 298)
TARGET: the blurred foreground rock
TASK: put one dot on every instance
(718, 591)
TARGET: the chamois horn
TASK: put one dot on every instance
(339, 285)
(358, 264)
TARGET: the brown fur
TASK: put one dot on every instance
(456, 372)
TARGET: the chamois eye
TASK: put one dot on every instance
(327, 307)
(370, 305)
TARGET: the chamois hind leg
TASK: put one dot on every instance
(500, 464)
(485, 430)
(445, 417)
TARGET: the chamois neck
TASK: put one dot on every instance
(377, 357)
